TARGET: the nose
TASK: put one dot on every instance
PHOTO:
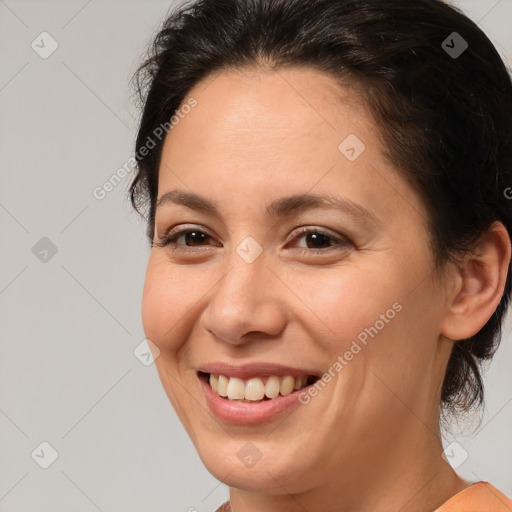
(246, 304)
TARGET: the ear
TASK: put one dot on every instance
(478, 285)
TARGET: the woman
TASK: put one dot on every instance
(325, 184)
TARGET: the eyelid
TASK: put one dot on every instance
(323, 231)
(181, 228)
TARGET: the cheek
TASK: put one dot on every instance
(347, 300)
(368, 314)
(380, 341)
(165, 304)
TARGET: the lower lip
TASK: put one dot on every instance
(242, 413)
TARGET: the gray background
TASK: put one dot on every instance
(70, 323)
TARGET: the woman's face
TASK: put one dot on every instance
(248, 294)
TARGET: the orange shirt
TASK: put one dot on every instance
(478, 497)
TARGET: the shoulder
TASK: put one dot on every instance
(478, 497)
(225, 507)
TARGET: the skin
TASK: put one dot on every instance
(370, 439)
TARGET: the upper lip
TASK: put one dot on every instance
(256, 369)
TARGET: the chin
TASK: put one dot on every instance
(254, 466)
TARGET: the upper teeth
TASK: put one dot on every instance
(255, 388)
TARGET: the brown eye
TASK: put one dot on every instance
(319, 240)
(184, 237)
(191, 237)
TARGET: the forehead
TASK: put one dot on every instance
(297, 116)
(251, 99)
(279, 132)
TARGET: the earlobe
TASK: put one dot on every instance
(480, 284)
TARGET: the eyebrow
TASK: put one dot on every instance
(278, 208)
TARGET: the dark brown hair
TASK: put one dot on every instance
(445, 120)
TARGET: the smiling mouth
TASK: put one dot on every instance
(256, 389)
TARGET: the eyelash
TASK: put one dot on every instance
(169, 239)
